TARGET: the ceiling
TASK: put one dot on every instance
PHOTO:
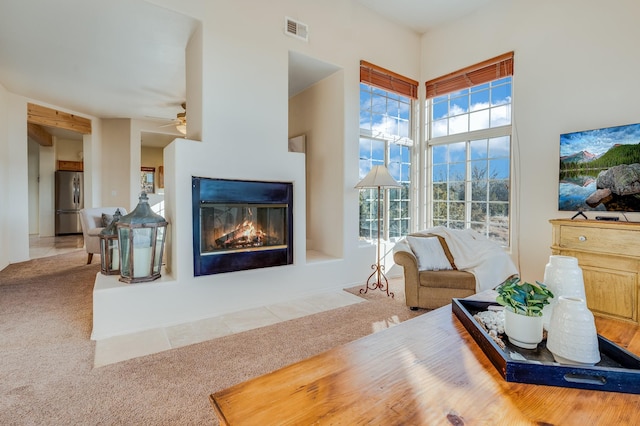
(305, 71)
(130, 54)
(422, 15)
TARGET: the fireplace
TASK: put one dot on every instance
(240, 225)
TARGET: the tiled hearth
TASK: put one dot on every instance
(121, 348)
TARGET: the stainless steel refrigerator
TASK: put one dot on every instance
(69, 201)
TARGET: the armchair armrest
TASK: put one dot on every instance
(403, 256)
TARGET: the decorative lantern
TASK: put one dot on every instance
(109, 253)
(141, 234)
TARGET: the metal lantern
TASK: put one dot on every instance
(141, 235)
(109, 253)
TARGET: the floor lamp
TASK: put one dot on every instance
(379, 178)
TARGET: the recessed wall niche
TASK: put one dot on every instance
(316, 110)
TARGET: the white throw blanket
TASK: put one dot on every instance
(474, 253)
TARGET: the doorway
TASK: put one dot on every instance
(55, 142)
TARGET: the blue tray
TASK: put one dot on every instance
(618, 370)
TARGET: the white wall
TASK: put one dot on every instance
(193, 61)
(47, 190)
(116, 162)
(92, 159)
(4, 178)
(263, 48)
(244, 136)
(34, 185)
(574, 70)
(16, 188)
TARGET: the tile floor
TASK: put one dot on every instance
(121, 348)
(51, 246)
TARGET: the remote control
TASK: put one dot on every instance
(611, 218)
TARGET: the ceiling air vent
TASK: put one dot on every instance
(296, 29)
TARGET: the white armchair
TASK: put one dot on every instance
(93, 220)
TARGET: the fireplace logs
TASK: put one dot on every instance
(244, 235)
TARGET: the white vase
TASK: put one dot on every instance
(522, 330)
(563, 276)
(572, 337)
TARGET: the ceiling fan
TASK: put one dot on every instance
(180, 122)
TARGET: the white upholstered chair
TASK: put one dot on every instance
(92, 223)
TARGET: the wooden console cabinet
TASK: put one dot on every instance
(609, 255)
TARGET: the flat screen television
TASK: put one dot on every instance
(600, 170)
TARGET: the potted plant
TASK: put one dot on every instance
(523, 302)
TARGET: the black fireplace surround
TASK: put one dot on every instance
(239, 225)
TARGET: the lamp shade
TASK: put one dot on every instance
(378, 177)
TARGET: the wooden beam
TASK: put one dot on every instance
(38, 114)
(40, 135)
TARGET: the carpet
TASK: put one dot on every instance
(47, 374)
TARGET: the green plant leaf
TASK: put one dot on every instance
(523, 297)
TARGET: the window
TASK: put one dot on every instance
(386, 104)
(469, 143)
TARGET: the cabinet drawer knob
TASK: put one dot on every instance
(582, 238)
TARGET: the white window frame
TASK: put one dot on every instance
(466, 137)
(389, 139)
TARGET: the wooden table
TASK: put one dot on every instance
(424, 371)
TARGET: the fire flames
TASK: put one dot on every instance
(244, 235)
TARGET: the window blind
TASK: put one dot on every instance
(483, 72)
(388, 80)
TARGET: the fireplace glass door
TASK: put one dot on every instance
(247, 227)
(240, 224)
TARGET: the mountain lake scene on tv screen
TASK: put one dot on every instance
(600, 170)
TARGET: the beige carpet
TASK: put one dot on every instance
(46, 355)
